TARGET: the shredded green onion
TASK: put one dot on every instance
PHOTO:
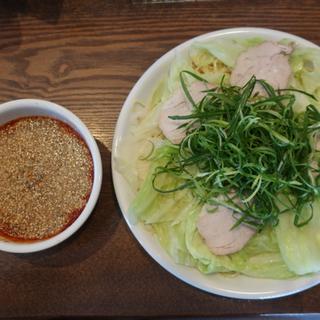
(253, 147)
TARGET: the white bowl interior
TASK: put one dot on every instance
(33, 107)
(237, 287)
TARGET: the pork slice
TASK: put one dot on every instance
(267, 61)
(179, 105)
(216, 230)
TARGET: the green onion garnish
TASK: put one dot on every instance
(255, 148)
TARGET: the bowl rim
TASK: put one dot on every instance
(139, 234)
(56, 111)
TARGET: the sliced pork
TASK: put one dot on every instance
(267, 61)
(216, 230)
(179, 105)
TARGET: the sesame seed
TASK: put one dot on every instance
(46, 174)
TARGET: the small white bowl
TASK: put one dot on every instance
(31, 107)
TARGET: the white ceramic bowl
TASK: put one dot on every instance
(237, 287)
(31, 107)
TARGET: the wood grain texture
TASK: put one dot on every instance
(86, 56)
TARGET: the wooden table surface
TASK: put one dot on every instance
(86, 56)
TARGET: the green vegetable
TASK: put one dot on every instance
(300, 247)
(255, 147)
(305, 63)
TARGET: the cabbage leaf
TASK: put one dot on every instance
(300, 247)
